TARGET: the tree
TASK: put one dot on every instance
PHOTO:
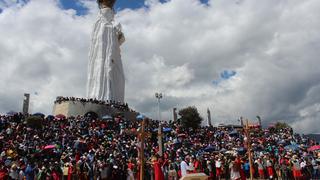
(190, 117)
(34, 122)
(281, 125)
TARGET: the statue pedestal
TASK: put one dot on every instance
(78, 108)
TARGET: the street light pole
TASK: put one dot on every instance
(159, 96)
(160, 152)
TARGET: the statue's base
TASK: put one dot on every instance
(78, 108)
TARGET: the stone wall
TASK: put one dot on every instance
(75, 108)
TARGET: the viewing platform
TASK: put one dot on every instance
(81, 107)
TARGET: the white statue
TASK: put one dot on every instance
(106, 79)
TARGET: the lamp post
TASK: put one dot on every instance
(159, 96)
(160, 152)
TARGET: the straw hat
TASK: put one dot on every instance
(294, 157)
(14, 166)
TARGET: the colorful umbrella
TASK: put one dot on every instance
(167, 129)
(49, 147)
(314, 148)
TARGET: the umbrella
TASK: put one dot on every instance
(241, 149)
(233, 133)
(11, 113)
(163, 129)
(223, 150)
(230, 152)
(60, 116)
(167, 129)
(80, 145)
(50, 117)
(292, 147)
(282, 142)
(50, 147)
(314, 148)
(39, 114)
(209, 149)
(107, 117)
(140, 117)
(182, 135)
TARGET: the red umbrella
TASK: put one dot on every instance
(50, 147)
(314, 148)
(60, 116)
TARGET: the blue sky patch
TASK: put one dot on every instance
(120, 5)
(74, 4)
(224, 75)
(227, 74)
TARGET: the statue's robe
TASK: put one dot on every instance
(106, 79)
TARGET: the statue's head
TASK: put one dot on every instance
(106, 3)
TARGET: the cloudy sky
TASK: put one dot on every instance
(236, 57)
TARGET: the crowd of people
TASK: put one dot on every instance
(88, 148)
(119, 105)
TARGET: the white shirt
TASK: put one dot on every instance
(184, 167)
(303, 164)
(218, 164)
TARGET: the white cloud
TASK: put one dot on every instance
(178, 47)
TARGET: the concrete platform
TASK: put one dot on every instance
(75, 108)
